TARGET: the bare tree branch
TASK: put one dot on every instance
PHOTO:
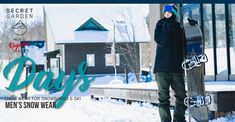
(129, 48)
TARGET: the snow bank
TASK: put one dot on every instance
(220, 86)
(106, 79)
(228, 118)
(6, 95)
(85, 110)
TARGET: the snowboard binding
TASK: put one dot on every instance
(195, 61)
(197, 101)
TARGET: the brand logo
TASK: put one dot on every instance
(19, 28)
(39, 82)
(15, 46)
(19, 13)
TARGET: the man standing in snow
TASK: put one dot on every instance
(169, 56)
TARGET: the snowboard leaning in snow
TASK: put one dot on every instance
(193, 66)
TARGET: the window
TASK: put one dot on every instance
(219, 37)
(90, 58)
(185, 17)
(109, 60)
(221, 51)
(185, 14)
(190, 11)
(208, 38)
(232, 36)
(196, 14)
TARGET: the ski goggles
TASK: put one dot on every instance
(169, 8)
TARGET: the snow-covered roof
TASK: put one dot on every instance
(63, 20)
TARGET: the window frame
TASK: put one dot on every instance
(189, 8)
(93, 63)
(109, 55)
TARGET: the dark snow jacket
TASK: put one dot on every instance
(170, 39)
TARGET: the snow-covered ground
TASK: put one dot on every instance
(221, 59)
(88, 110)
(229, 118)
(209, 86)
(85, 110)
(96, 111)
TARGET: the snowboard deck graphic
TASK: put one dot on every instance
(195, 76)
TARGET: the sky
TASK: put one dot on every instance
(79, 12)
(38, 8)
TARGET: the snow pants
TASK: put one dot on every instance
(176, 82)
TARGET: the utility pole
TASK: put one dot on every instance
(114, 51)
